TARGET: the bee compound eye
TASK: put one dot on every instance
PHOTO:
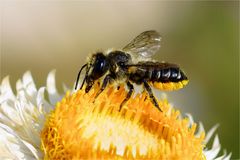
(100, 66)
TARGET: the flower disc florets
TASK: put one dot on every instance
(82, 127)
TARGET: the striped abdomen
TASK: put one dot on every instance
(168, 79)
(163, 76)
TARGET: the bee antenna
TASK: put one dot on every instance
(79, 73)
(83, 81)
(86, 75)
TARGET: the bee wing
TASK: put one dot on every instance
(146, 44)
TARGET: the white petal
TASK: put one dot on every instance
(191, 121)
(6, 90)
(28, 84)
(212, 153)
(8, 109)
(54, 96)
(19, 86)
(200, 129)
(32, 149)
(21, 120)
(224, 156)
(210, 133)
(5, 119)
(228, 157)
(40, 99)
(9, 145)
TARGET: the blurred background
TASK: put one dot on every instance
(202, 37)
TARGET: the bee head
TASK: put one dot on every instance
(97, 67)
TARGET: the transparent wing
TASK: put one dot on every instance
(146, 44)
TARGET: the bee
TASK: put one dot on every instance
(133, 64)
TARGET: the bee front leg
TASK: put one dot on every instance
(153, 99)
(106, 80)
(129, 94)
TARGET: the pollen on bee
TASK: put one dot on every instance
(169, 86)
(185, 82)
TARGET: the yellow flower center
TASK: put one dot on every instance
(82, 127)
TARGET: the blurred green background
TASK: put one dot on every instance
(202, 37)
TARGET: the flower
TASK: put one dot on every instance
(74, 127)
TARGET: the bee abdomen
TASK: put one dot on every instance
(168, 79)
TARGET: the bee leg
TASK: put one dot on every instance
(149, 90)
(129, 94)
(145, 98)
(106, 80)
